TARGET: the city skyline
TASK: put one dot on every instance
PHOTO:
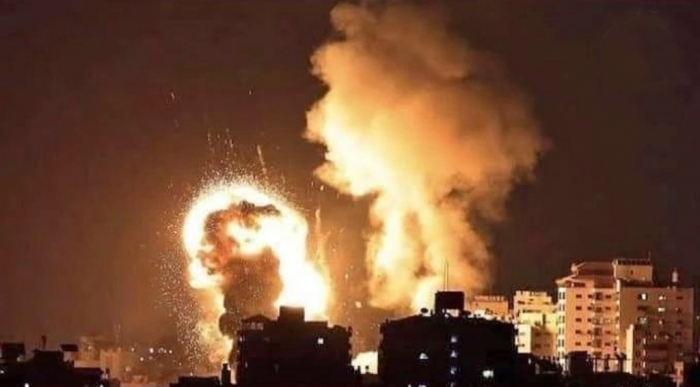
(110, 128)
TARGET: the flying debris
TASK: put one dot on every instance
(263, 167)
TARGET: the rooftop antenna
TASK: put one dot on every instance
(117, 333)
(445, 276)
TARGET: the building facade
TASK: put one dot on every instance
(447, 347)
(623, 318)
(658, 327)
(489, 306)
(535, 319)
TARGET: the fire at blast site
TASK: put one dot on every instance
(248, 255)
(428, 130)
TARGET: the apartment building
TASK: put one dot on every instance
(532, 302)
(489, 306)
(656, 326)
(535, 320)
(586, 308)
(617, 313)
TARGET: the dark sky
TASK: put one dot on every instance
(98, 160)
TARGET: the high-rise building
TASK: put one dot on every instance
(447, 347)
(623, 318)
(586, 307)
(535, 320)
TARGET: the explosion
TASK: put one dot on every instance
(247, 255)
(425, 128)
(432, 133)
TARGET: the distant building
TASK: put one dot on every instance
(489, 306)
(625, 320)
(197, 381)
(293, 351)
(97, 352)
(532, 302)
(537, 339)
(48, 368)
(12, 353)
(535, 321)
(446, 348)
(658, 327)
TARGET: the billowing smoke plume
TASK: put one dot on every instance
(432, 132)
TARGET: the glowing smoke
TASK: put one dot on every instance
(432, 132)
(247, 255)
(366, 362)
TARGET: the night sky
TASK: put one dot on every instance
(112, 116)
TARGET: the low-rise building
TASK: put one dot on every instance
(292, 351)
(535, 320)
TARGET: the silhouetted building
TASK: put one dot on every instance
(197, 381)
(578, 364)
(536, 371)
(225, 375)
(48, 368)
(292, 351)
(447, 347)
(12, 352)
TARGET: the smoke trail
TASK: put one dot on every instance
(263, 166)
(432, 132)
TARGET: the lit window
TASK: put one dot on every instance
(453, 370)
(662, 297)
(643, 296)
(453, 354)
(423, 356)
(320, 341)
(662, 309)
(454, 339)
(487, 374)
